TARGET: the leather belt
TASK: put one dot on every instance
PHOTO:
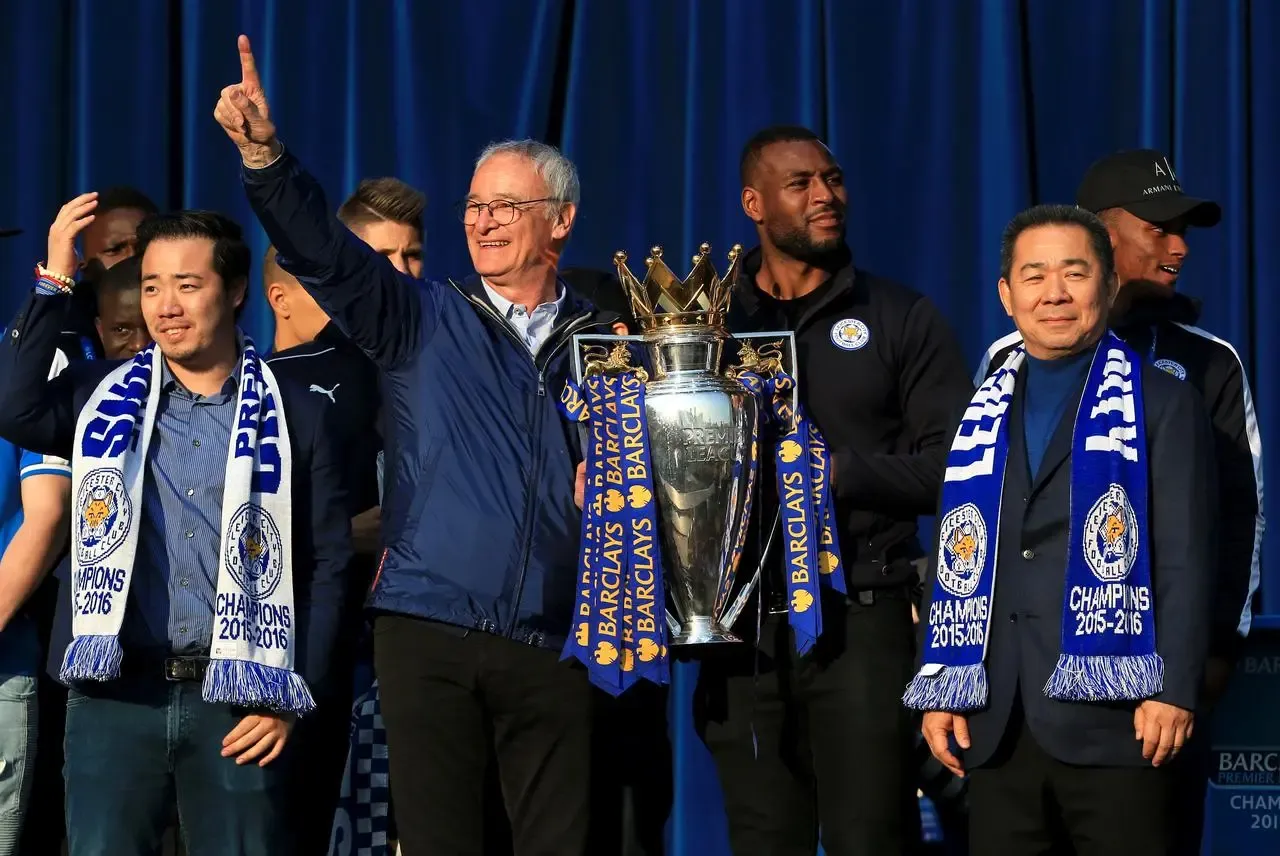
(185, 668)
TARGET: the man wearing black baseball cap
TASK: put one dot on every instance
(1140, 199)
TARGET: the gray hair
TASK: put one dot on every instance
(556, 170)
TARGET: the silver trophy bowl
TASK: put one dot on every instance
(702, 440)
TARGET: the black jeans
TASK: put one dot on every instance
(821, 740)
(452, 701)
(1023, 801)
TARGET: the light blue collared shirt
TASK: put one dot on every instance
(533, 329)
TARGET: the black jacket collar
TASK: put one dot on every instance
(1156, 307)
(746, 301)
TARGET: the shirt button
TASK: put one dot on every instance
(1028, 555)
(191, 491)
(191, 534)
(195, 443)
(1013, 617)
(182, 630)
(185, 582)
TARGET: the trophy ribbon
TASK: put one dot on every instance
(619, 632)
(804, 497)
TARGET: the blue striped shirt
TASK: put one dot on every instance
(175, 574)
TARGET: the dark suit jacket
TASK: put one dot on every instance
(41, 415)
(1027, 612)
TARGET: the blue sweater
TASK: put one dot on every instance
(1050, 384)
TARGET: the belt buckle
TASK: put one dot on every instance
(179, 669)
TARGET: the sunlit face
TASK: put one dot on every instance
(189, 310)
(120, 323)
(531, 241)
(399, 242)
(796, 193)
(1147, 252)
(1055, 292)
(110, 237)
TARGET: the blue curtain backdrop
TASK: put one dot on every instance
(948, 116)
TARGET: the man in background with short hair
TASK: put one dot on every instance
(120, 325)
(386, 214)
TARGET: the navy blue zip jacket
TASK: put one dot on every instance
(479, 524)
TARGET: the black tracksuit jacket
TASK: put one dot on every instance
(886, 406)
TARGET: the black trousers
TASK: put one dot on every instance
(1024, 802)
(453, 701)
(1191, 772)
(817, 741)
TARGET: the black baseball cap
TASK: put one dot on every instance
(1142, 182)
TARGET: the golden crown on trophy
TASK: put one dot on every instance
(663, 300)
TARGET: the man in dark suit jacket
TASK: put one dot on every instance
(222, 763)
(1090, 774)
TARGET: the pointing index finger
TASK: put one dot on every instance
(248, 66)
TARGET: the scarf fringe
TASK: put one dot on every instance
(92, 658)
(241, 682)
(955, 689)
(1104, 678)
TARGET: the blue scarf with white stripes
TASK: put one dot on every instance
(1108, 649)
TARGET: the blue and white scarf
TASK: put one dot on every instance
(1108, 650)
(253, 645)
(362, 824)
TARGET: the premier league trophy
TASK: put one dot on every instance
(672, 445)
(703, 438)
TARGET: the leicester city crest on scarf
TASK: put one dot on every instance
(1108, 647)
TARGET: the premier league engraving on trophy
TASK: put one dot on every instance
(702, 426)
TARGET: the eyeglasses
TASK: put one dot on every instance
(503, 211)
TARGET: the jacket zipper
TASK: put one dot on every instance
(562, 338)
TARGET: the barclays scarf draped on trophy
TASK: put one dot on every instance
(672, 440)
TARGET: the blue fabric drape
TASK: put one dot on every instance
(948, 117)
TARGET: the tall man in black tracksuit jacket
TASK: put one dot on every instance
(824, 738)
(1138, 196)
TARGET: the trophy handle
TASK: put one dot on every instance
(731, 614)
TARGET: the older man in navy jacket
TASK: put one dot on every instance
(476, 585)
(1071, 744)
(137, 742)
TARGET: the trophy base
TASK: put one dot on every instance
(701, 630)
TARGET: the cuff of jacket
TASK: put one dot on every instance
(262, 175)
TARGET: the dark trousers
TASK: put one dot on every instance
(320, 741)
(140, 746)
(1023, 801)
(1191, 772)
(821, 740)
(452, 700)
